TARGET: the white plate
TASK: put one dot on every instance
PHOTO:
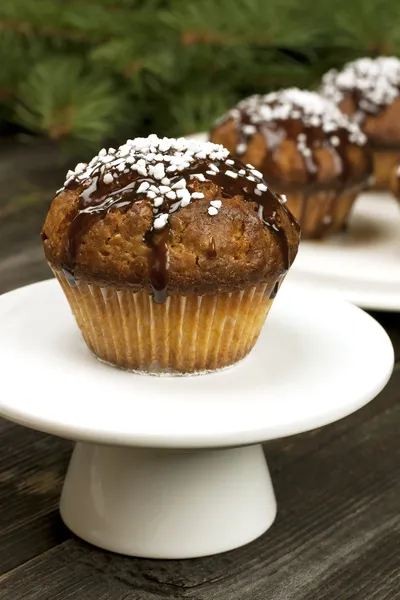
(361, 266)
(317, 360)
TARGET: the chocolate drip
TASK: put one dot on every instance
(99, 198)
(212, 251)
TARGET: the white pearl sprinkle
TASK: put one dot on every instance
(199, 176)
(216, 203)
(158, 171)
(108, 178)
(143, 187)
(185, 201)
(160, 221)
(212, 211)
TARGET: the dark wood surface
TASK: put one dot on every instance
(336, 537)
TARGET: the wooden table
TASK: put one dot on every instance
(336, 537)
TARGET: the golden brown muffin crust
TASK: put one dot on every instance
(209, 248)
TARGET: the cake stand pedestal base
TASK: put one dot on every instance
(167, 503)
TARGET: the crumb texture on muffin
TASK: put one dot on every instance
(296, 138)
(170, 216)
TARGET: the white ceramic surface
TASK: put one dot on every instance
(362, 265)
(317, 360)
(167, 503)
(155, 479)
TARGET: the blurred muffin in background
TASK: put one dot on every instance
(306, 148)
(368, 90)
(395, 181)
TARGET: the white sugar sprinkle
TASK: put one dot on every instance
(197, 195)
(231, 174)
(262, 187)
(171, 195)
(179, 184)
(185, 201)
(283, 198)
(212, 211)
(164, 189)
(229, 161)
(108, 178)
(143, 187)
(199, 176)
(242, 172)
(215, 168)
(210, 172)
(151, 194)
(256, 173)
(216, 203)
(158, 202)
(165, 181)
(103, 152)
(80, 168)
(158, 171)
(160, 221)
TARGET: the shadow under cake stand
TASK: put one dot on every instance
(173, 467)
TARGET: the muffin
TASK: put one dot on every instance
(170, 253)
(395, 181)
(306, 148)
(368, 91)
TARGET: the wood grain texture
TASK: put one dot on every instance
(336, 537)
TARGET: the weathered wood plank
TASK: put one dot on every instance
(32, 468)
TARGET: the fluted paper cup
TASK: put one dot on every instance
(186, 334)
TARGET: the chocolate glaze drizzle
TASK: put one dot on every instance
(109, 186)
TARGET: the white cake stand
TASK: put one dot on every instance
(362, 265)
(173, 467)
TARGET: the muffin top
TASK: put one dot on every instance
(296, 137)
(368, 89)
(169, 215)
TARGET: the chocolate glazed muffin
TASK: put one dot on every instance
(170, 253)
(368, 91)
(306, 149)
(395, 181)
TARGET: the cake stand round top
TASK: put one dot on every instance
(317, 360)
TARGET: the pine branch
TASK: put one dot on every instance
(60, 100)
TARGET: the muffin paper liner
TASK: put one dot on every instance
(186, 334)
(321, 213)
